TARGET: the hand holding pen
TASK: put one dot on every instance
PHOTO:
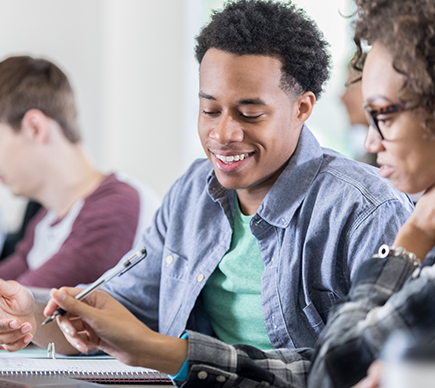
(118, 270)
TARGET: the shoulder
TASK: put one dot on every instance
(112, 196)
(113, 185)
(360, 179)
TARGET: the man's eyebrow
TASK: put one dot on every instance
(251, 101)
(206, 96)
(243, 101)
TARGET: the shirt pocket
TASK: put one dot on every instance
(174, 266)
(316, 311)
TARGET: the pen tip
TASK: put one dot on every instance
(47, 320)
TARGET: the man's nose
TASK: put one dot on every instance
(227, 130)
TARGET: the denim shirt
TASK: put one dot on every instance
(323, 216)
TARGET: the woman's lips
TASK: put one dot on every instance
(385, 170)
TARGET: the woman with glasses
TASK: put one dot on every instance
(395, 290)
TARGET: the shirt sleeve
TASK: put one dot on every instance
(216, 364)
(382, 299)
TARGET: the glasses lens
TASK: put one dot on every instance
(374, 124)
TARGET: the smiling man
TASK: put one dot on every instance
(249, 126)
(251, 246)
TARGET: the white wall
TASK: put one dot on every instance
(142, 69)
(125, 61)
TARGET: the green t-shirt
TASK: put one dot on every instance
(232, 294)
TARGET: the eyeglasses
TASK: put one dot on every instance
(372, 114)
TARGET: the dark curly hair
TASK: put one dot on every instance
(406, 28)
(273, 29)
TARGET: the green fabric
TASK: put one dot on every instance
(232, 294)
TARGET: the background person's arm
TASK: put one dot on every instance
(20, 319)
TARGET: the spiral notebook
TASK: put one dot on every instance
(103, 370)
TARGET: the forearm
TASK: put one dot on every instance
(161, 352)
(50, 332)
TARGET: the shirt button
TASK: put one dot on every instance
(200, 278)
(220, 379)
(169, 260)
(202, 375)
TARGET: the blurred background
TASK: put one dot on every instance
(135, 78)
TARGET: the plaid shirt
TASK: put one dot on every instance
(383, 298)
(213, 363)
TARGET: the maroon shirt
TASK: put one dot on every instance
(102, 233)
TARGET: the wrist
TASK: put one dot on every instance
(414, 239)
(165, 354)
(400, 252)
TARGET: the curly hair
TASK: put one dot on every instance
(272, 29)
(406, 28)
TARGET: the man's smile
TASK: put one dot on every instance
(231, 158)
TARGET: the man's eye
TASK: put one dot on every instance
(209, 113)
(250, 117)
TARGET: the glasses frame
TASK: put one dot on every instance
(373, 113)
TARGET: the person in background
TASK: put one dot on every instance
(395, 289)
(88, 219)
(251, 246)
(353, 101)
(12, 238)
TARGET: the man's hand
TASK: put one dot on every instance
(17, 320)
(100, 322)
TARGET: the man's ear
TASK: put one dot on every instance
(304, 106)
(35, 125)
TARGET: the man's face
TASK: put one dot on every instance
(16, 165)
(247, 123)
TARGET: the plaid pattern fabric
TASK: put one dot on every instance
(383, 299)
(213, 363)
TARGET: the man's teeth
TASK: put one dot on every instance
(232, 158)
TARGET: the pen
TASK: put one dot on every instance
(119, 269)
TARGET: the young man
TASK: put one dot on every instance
(251, 246)
(89, 220)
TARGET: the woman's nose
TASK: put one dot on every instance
(373, 142)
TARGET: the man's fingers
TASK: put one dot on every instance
(9, 324)
(18, 344)
(9, 288)
(16, 339)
